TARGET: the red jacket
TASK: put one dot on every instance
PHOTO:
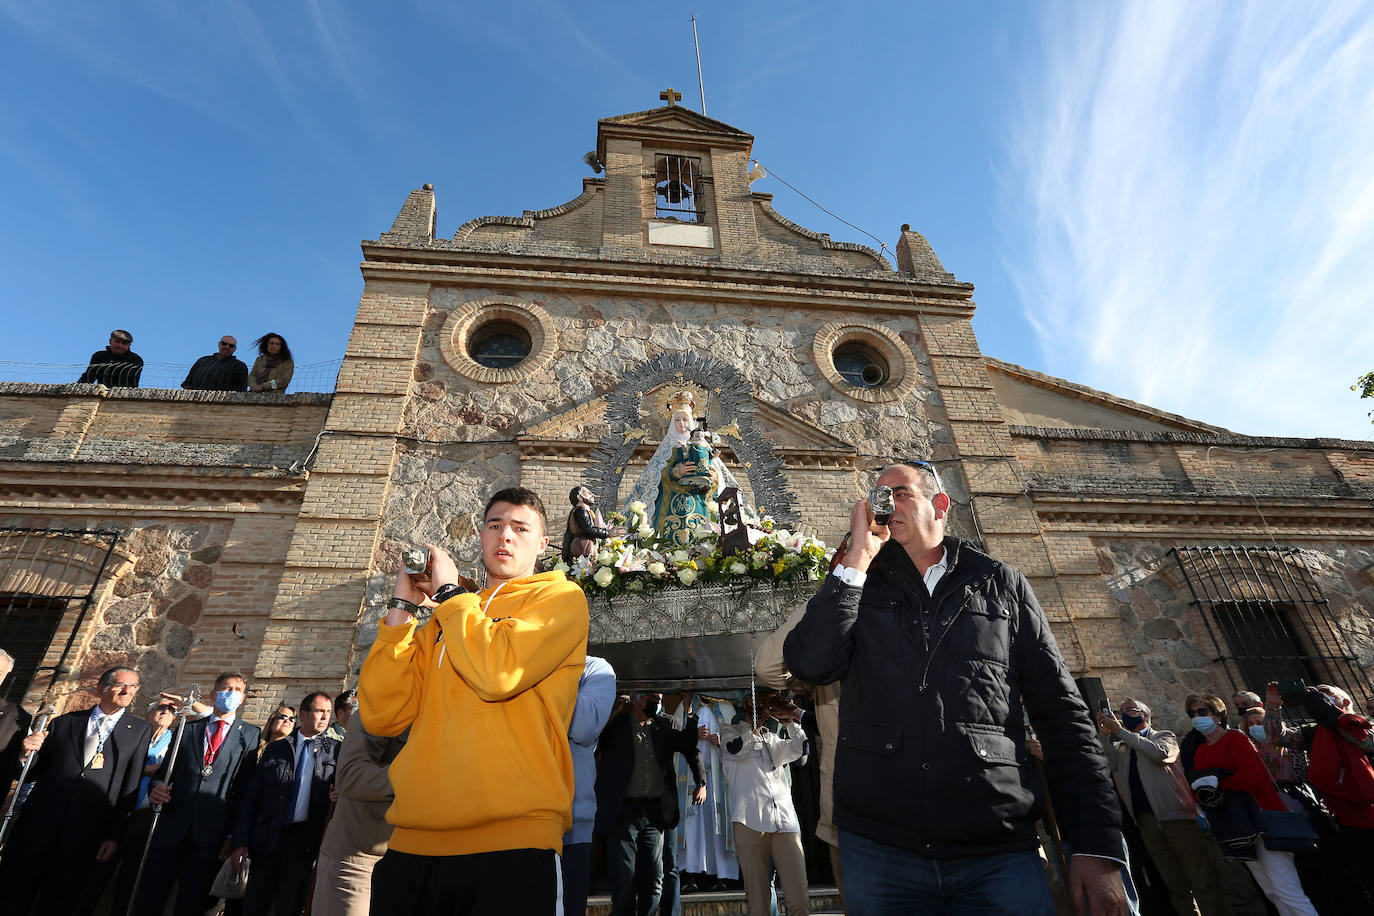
(1342, 772)
(1234, 752)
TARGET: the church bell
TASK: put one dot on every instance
(674, 191)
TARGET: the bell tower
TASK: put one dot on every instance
(676, 181)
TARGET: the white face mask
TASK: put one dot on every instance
(228, 700)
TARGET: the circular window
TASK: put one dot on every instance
(497, 342)
(865, 360)
(860, 365)
(499, 345)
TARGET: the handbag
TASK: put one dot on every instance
(1288, 831)
(230, 884)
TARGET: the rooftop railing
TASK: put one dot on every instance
(308, 377)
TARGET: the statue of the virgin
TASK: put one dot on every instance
(681, 479)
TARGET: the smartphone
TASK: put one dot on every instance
(1292, 688)
(1105, 708)
(881, 504)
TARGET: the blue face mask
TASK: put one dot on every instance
(1257, 732)
(228, 700)
(1132, 722)
(1204, 724)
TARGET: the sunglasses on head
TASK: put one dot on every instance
(927, 466)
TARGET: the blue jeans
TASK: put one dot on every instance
(881, 880)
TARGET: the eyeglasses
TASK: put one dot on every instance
(927, 466)
(280, 717)
(1202, 711)
(225, 343)
(165, 709)
(122, 687)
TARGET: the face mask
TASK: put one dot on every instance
(1132, 722)
(228, 700)
(651, 706)
(1257, 732)
(1204, 724)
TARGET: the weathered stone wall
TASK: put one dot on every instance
(1167, 635)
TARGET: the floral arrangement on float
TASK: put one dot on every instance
(638, 561)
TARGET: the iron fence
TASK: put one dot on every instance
(312, 377)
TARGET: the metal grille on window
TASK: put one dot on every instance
(677, 188)
(45, 573)
(1267, 617)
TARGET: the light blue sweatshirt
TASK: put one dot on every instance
(595, 697)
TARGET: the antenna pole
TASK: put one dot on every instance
(697, 42)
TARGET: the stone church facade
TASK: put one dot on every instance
(186, 533)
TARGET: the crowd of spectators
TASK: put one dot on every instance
(485, 752)
(118, 366)
(1262, 803)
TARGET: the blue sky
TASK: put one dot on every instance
(1173, 202)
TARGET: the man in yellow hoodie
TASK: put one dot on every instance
(487, 687)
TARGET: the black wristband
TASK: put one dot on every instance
(410, 607)
(445, 592)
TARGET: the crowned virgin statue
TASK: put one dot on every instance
(681, 480)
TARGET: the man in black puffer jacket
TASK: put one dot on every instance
(937, 647)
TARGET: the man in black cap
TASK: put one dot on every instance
(116, 366)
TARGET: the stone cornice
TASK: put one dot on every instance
(765, 203)
(590, 187)
(578, 451)
(691, 279)
(1190, 438)
(106, 489)
(1192, 518)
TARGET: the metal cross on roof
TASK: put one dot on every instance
(671, 96)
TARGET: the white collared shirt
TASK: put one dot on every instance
(100, 725)
(210, 726)
(760, 797)
(932, 576)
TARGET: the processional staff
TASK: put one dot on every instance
(183, 714)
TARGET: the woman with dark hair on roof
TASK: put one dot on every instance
(273, 368)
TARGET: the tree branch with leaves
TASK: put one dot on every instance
(1365, 386)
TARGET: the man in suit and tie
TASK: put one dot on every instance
(14, 728)
(279, 822)
(216, 757)
(85, 776)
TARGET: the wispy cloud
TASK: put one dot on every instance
(1193, 188)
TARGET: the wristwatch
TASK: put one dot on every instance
(401, 604)
(446, 592)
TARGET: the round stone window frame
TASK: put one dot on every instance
(901, 362)
(471, 317)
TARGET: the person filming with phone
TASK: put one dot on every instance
(937, 647)
(487, 686)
